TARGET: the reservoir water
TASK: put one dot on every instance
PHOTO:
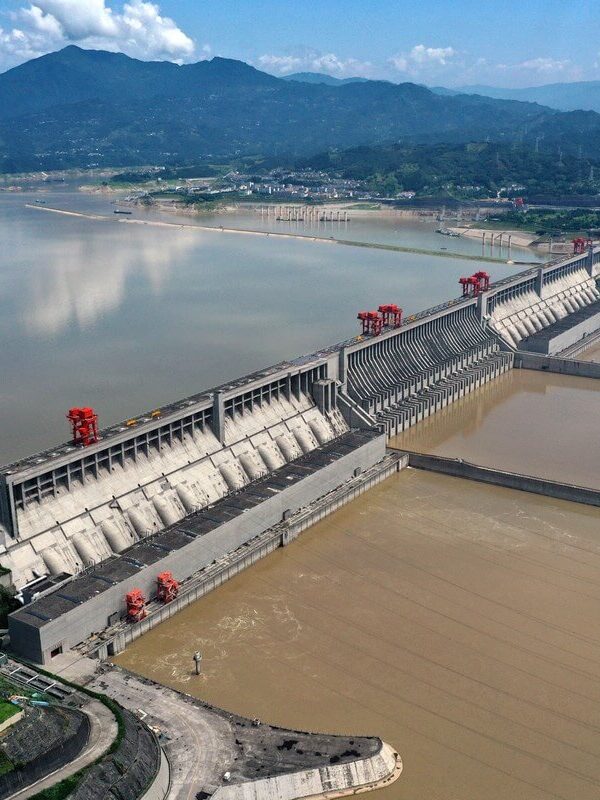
(457, 621)
(126, 317)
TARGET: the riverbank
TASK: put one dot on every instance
(497, 237)
(278, 235)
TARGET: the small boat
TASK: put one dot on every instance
(120, 211)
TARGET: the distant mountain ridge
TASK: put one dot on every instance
(576, 96)
(321, 77)
(77, 108)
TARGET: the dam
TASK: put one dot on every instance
(184, 486)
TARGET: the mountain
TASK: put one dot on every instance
(578, 96)
(321, 77)
(460, 170)
(78, 108)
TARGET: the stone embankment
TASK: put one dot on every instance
(338, 780)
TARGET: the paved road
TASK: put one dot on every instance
(197, 742)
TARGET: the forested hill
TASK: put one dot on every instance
(464, 170)
(82, 108)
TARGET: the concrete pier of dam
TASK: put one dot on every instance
(185, 485)
(459, 468)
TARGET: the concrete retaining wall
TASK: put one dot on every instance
(511, 480)
(260, 547)
(162, 783)
(327, 781)
(562, 366)
(581, 346)
(36, 642)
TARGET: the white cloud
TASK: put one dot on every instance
(539, 70)
(422, 59)
(545, 65)
(137, 28)
(282, 65)
(314, 61)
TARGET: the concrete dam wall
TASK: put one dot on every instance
(544, 297)
(67, 508)
(191, 469)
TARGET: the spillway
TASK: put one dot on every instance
(71, 509)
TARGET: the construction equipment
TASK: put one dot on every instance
(580, 245)
(136, 605)
(167, 587)
(475, 284)
(372, 323)
(392, 315)
(84, 425)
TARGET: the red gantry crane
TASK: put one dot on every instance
(580, 245)
(136, 605)
(389, 315)
(84, 424)
(371, 322)
(475, 284)
(167, 587)
(392, 315)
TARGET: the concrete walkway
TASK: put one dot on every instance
(199, 742)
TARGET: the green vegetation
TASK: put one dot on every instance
(7, 710)
(6, 764)
(60, 790)
(7, 604)
(103, 109)
(168, 173)
(546, 222)
(462, 171)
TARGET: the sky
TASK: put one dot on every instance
(435, 42)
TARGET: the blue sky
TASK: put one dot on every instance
(501, 42)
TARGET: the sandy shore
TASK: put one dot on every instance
(500, 237)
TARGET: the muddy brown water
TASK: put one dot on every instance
(591, 354)
(457, 621)
(525, 421)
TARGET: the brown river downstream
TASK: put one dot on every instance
(525, 421)
(457, 621)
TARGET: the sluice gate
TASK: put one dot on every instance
(73, 509)
(403, 379)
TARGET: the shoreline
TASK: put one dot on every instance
(282, 235)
